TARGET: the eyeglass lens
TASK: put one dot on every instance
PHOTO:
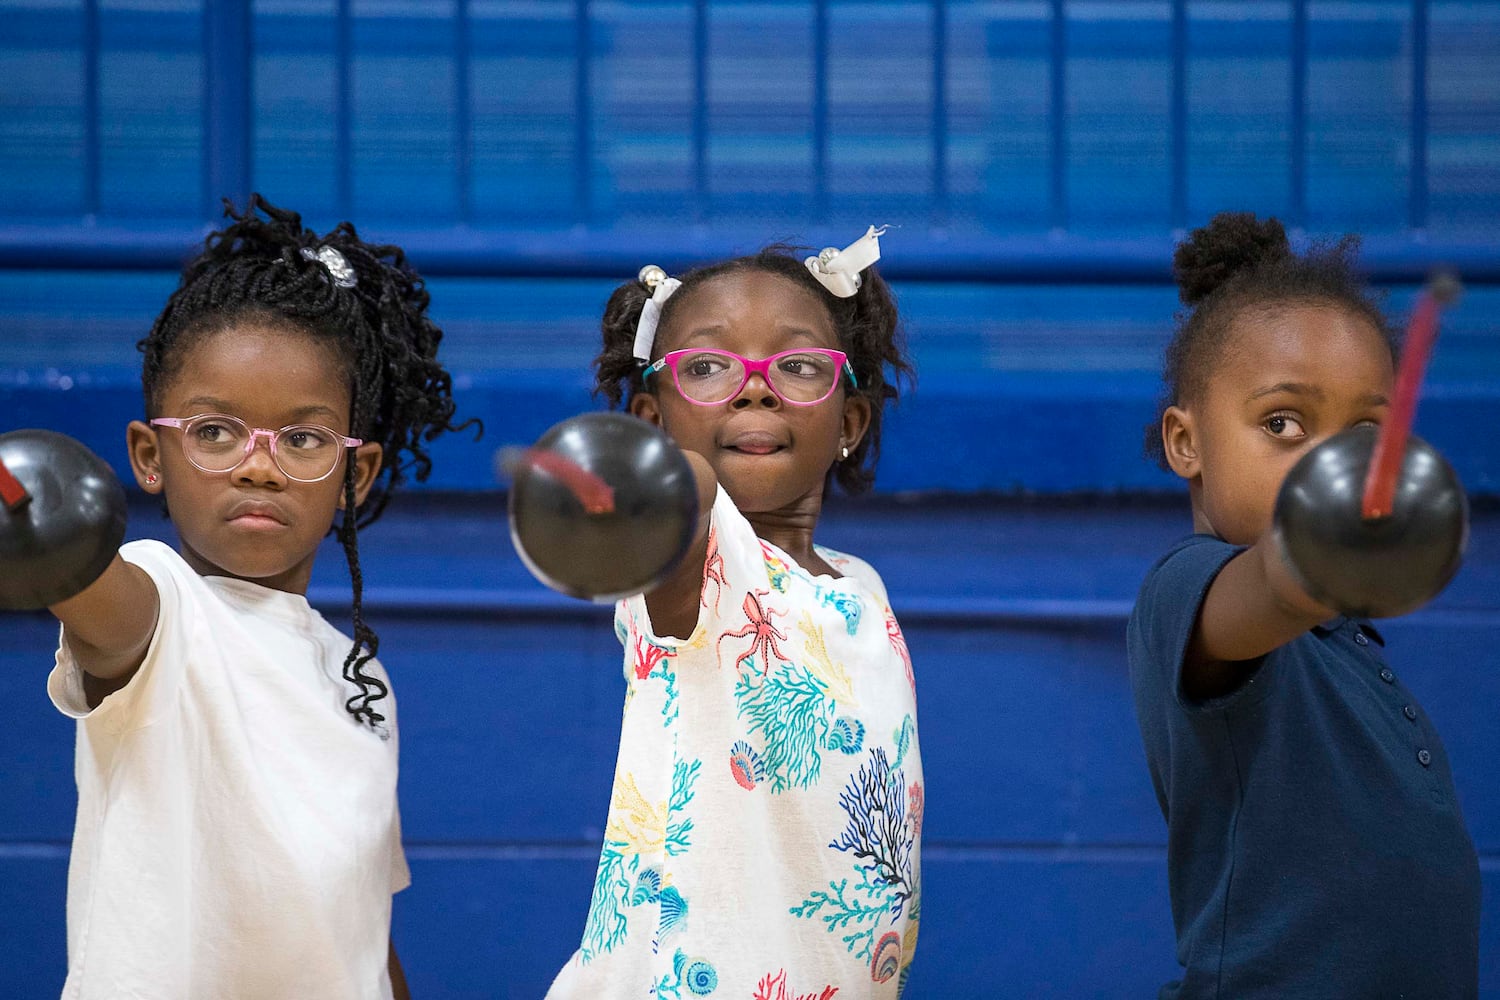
(217, 443)
(799, 377)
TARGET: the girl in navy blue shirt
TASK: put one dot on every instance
(1315, 843)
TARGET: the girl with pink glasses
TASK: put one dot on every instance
(237, 831)
(763, 832)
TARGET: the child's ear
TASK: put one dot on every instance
(1179, 438)
(646, 406)
(366, 467)
(856, 421)
(144, 448)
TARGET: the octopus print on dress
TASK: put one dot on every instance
(764, 833)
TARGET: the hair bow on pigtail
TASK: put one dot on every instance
(839, 270)
(662, 286)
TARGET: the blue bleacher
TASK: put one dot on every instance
(1037, 161)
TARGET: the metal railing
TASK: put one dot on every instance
(228, 144)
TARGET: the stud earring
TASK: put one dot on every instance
(151, 478)
(844, 453)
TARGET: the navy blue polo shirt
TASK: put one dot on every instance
(1314, 844)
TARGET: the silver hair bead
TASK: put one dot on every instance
(337, 265)
(651, 276)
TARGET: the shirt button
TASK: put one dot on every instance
(1360, 640)
(1410, 713)
(1424, 758)
(1387, 676)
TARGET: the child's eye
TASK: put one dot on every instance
(1281, 425)
(804, 365)
(213, 433)
(702, 365)
(308, 439)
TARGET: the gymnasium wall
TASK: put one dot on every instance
(1036, 161)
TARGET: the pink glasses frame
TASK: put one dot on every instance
(256, 433)
(752, 367)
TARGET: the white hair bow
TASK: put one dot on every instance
(662, 288)
(839, 270)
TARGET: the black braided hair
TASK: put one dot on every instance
(1238, 264)
(253, 270)
(867, 324)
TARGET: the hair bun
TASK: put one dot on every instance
(1232, 242)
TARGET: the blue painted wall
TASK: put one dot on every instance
(1038, 161)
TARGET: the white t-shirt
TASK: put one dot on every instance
(237, 831)
(764, 829)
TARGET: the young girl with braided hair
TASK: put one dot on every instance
(237, 831)
(1315, 845)
(763, 837)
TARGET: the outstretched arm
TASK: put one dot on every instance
(674, 603)
(1253, 606)
(108, 626)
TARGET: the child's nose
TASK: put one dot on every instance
(756, 392)
(259, 467)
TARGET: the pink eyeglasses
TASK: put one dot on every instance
(803, 377)
(217, 442)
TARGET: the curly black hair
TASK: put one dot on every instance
(867, 324)
(1238, 264)
(254, 270)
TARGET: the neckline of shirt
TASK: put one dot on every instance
(262, 600)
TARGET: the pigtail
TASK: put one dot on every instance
(366, 641)
(617, 372)
(872, 332)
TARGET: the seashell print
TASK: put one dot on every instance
(647, 887)
(847, 605)
(746, 765)
(673, 911)
(885, 961)
(847, 735)
(699, 977)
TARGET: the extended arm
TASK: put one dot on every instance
(1253, 606)
(108, 626)
(674, 603)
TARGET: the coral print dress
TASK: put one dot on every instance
(763, 840)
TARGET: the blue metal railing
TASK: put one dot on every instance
(940, 205)
(227, 110)
(1421, 13)
(1059, 116)
(463, 114)
(583, 190)
(1179, 113)
(91, 166)
(229, 123)
(1297, 158)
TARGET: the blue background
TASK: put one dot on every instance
(1036, 160)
